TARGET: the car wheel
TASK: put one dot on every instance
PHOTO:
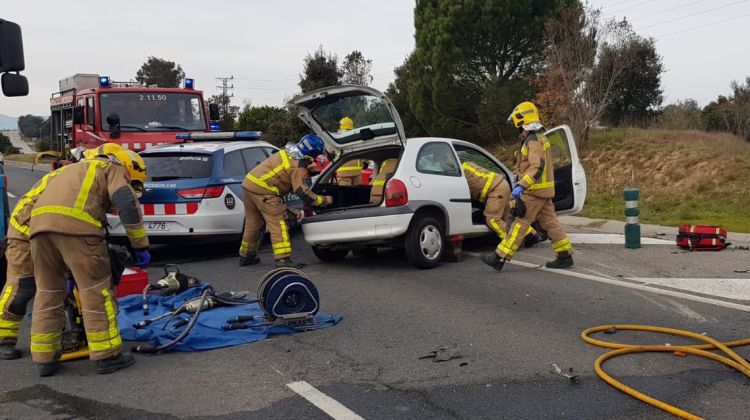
(329, 254)
(425, 243)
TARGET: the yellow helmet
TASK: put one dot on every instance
(523, 114)
(346, 124)
(103, 150)
(134, 164)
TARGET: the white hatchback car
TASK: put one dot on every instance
(418, 196)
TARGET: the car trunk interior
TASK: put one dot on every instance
(356, 196)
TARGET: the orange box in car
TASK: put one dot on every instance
(132, 282)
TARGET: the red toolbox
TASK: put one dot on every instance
(133, 281)
(702, 238)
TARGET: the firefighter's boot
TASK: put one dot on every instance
(249, 260)
(288, 262)
(493, 260)
(113, 364)
(9, 352)
(563, 260)
(49, 369)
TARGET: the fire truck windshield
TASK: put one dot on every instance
(153, 111)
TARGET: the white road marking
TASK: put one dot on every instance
(325, 403)
(611, 239)
(636, 286)
(738, 289)
(11, 195)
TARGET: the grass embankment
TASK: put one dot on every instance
(684, 177)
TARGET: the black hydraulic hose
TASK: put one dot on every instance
(147, 349)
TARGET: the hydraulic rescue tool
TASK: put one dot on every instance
(172, 283)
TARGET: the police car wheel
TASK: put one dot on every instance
(328, 254)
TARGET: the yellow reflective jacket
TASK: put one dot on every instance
(75, 202)
(18, 222)
(481, 181)
(350, 169)
(534, 168)
(279, 175)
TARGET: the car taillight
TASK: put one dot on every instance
(395, 193)
(199, 193)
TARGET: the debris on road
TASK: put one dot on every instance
(443, 354)
(574, 379)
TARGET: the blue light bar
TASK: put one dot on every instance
(104, 81)
(214, 126)
(221, 135)
(189, 83)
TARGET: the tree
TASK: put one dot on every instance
(467, 70)
(682, 115)
(227, 111)
(160, 72)
(29, 125)
(356, 69)
(587, 56)
(637, 94)
(6, 147)
(279, 125)
(320, 70)
(731, 113)
(398, 93)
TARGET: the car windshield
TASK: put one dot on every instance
(153, 111)
(166, 166)
(369, 117)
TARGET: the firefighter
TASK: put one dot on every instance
(21, 287)
(282, 173)
(493, 191)
(535, 188)
(350, 173)
(67, 232)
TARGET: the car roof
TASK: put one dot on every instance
(208, 147)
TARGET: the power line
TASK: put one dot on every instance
(702, 26)
(693, 14)
(619, 3)
(631, 7)
(671, 9)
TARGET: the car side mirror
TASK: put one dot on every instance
(15, 85)
(213, 112)
(113, 120)
(78, 115)
(11, 47)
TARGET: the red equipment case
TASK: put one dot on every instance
(133, 281)
(702, 238)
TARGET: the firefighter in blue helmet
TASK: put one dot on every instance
(282, 173)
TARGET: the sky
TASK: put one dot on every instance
(262, 43)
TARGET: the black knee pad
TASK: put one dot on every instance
(26, 292)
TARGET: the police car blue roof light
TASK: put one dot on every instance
(221, 135)
(189, 83)
(248, 135)
(104, 81)
(214, 126)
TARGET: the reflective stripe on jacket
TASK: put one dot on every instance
(279, 175)
(21, 215)
(481, 181)
(75, 202)
(534, 168)
(352, 168)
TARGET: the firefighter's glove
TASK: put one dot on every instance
(517, 191)
(142, 258)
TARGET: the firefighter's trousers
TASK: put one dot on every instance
(543, 211)
(265, 210)
(18, 291)
(496, 209)
(87, 259)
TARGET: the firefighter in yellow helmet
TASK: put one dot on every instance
(535, 187)
(66, 231)
(282, 173)
(350, 173)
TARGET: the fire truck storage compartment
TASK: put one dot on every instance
(79, 81)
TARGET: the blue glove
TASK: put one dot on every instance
(517, 191)
(142, 258)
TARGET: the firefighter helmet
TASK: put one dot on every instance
(103, 150)
(523, 114)
(311, 145)
(134, 164)
(346, 124)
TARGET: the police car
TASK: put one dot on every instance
(194, 190)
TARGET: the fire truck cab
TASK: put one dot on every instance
(91, 109)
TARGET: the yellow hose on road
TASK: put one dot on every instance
(733, 360)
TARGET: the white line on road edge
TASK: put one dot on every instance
(11, 195)
(327, 404)
(688, 296)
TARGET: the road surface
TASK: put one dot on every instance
(15, 139)
(510, 328)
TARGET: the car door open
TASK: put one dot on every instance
(570, 179)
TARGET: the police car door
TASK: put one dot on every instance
(570, 179)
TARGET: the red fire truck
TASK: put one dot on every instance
(90, 110)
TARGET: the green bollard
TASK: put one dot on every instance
(632, 228)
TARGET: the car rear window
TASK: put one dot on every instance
(166, 166)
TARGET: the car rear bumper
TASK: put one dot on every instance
(357, 225)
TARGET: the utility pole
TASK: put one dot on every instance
(225, 88)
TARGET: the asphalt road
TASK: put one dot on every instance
(509, 326)
(15, 139)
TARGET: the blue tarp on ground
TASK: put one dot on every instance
(207, 333)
